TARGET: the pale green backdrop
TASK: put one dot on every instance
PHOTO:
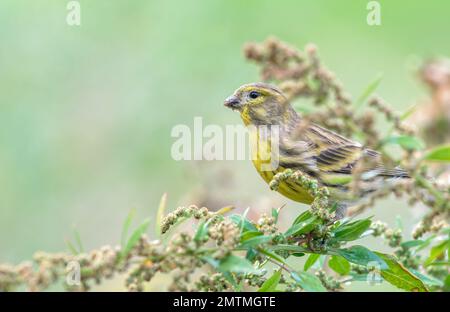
(86, 112)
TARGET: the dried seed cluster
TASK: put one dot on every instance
(320, 205)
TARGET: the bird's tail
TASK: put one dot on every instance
(393, 173)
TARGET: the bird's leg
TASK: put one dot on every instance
(309, 241)
(306, 240)
(300, 240)
(340, 212)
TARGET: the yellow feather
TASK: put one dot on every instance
(291, 190)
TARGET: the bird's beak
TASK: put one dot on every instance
(232, 102)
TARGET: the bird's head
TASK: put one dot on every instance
(258, 103)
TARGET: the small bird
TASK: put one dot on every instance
(319, 153)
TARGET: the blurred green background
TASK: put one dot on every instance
(86, 112)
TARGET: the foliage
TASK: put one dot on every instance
(232, 252)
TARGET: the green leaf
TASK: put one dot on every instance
(303, 217)
(339, 265)
(436, 252)
(310, 261)
(298, 254)
(360, 255)
(289, 248)
(71, 247)
(243, 222)
(251, 254)
(78, 240)
(351, 231)
(429, 280)
(397, 275)
(440, 153)
(408, 112)
(276, 213)
(271, 255)
(160, 213)
(211, 261)
(302, 227)
(255, 241)
(405, 141)
(202, 230)
(271, 283)
(126, 226)
(338, 179)
(224, 210)
(134, 238)
(308, 281)
(237, 264)
(249, 234)
(243, 218)
(412, 243)
(447, 283)
(440, 263)
(426, 243)
(371, 87)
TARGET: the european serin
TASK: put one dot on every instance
(326, 156)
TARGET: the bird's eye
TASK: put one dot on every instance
(253, 94)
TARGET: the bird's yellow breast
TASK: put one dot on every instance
(260, 160)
